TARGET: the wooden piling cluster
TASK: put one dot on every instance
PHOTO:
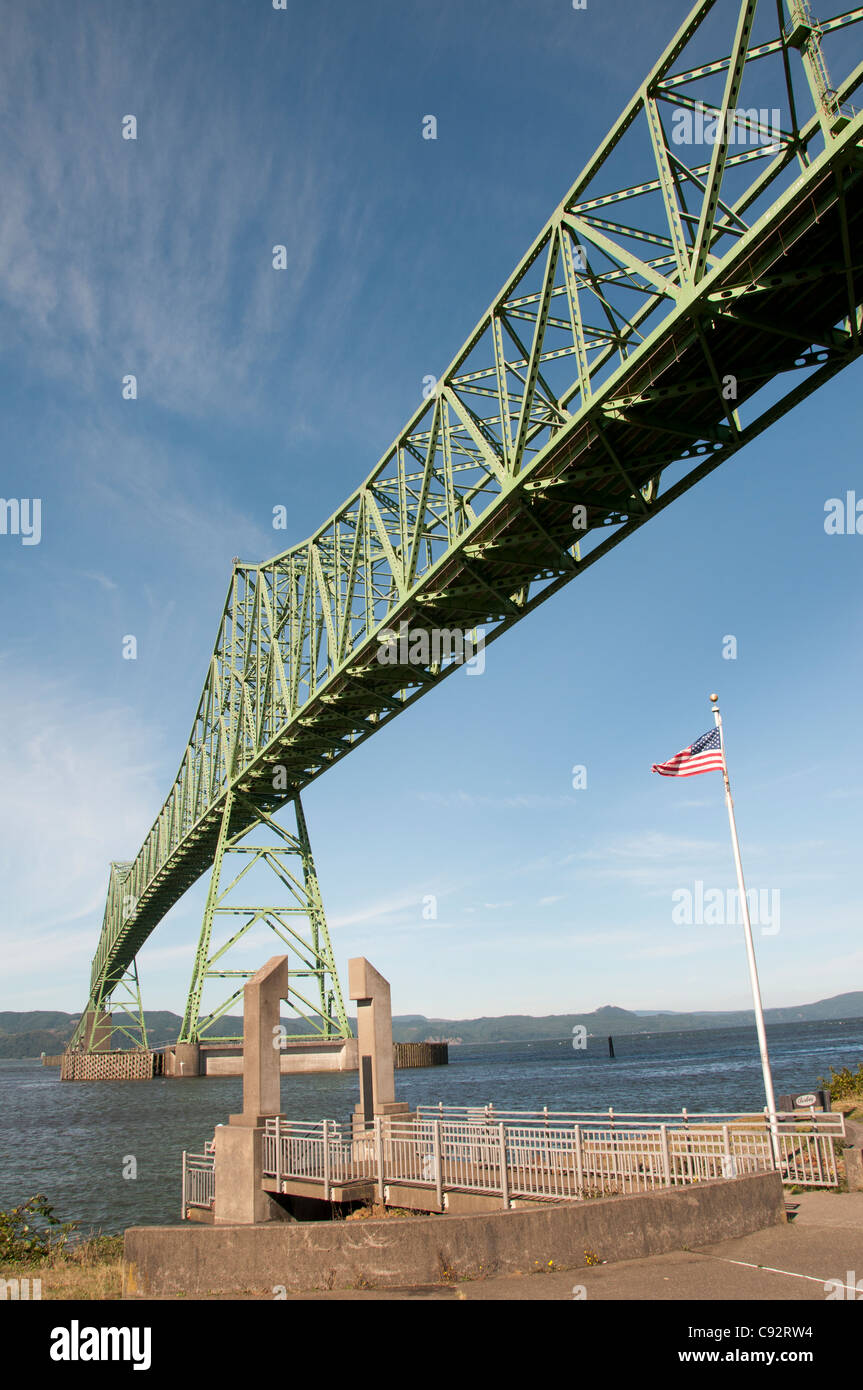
(110, 1066)
(420, 1054)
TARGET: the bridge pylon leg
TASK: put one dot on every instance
(116, 1009)
(254, 849)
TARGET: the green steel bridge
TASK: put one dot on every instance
(656, 325)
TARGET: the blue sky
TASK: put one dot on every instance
(303, 127)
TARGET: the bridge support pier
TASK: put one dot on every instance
(184, 1060)
(283, 859)
(114, 1006)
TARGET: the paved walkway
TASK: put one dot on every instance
(824, 1241)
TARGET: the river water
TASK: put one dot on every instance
(73, 1141)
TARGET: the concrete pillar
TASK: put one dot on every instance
(101, 1033)
(239, 1198)
(186, 1060)
(239, 1144)
(371, 992)
(262, 997)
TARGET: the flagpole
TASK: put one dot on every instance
(750, 949)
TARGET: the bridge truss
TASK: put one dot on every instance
(656, 325)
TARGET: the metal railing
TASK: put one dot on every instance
(804, 1140)
(832, 1120)
(551, 1156)
(199, 1179)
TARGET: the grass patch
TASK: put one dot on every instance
(851, 1105)
(36, 1245)
(90, 1269)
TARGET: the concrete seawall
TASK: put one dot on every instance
(302, 1256)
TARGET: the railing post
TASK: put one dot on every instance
(728, 1157)
(685, 1113)
(436, 1157)
(579, 1162)
(773, 1147)
(666, 1154)
(278, 1163)
(613, 1141)
(183, 1207)
(504, 1172)
(379, 1157)
(326, 1131)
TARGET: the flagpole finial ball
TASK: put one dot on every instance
(714, 698)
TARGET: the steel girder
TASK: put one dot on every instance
(604, 362)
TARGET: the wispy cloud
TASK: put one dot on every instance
(652, 859)
(528, 801)
(75, 797)
(384, 911)
(101, 579)
(161, 263)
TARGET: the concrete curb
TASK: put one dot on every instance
(399, 1252)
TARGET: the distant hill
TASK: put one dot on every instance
(609, 1019)
(38, 1019)
(29, 1034)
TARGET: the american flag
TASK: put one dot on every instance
(704, 755)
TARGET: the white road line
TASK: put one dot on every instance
(768, 1269)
